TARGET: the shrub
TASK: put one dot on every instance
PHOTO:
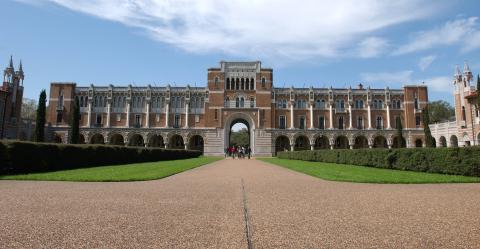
(457, 161)
(27, 157)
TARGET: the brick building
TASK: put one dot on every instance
(465, 130)
(11, 96)
(239, 92)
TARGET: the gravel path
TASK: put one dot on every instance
(204, 208)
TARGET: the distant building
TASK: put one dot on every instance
(465, 130)
(239, 92)
(11, 96)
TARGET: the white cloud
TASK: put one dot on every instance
(426, 61)
(452, 32)
(372, 47)
(441, 84)
(401, 77)
(282, 28)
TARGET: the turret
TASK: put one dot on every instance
(9, 72)
(467, 73)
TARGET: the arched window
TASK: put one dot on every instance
(237, 84)
(227, 86)
(416, 104)
(81, 101)
(284, 103)
(360, 122)
(463, 113)
(247, 83)
(216, 82)
(242, 86)
(227, 102)
(263, 82)
(340, 122)
(252, 102)
(86, 101)
(237, 102)
(242, 102)
(252, 84)
(380, 104)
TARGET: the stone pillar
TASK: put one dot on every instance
(147, 123)
(350, 114)
(388, 118)
(89, 117)
(331, 117)
(311, 117)
(292, 126)
(128, 115)
(186, 114)
(292, 146)
(312, 146)
(167, 116)
(369, 117)
(109, 110)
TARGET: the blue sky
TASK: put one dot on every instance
(318, 43)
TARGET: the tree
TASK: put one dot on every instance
(75, 122)
(429, 140)
(400, 139)
(29, 109)
(239, 138)
(440, 111)
(41, 111)
(478, 91)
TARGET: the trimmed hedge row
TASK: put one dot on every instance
(455, 161)
(27, 157)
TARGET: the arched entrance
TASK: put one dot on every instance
(302, 143)
(97, 139)
(116, 139)
(453, 141)
(176, 142)
(399, 142)
(443, 141)
(341, 142)
(136, 140)
(196, 143)
(418, 143)
(282, 143)
(244, 120)
(361, 142)
(380, 142)
(239, 133)
(81, 139)
(321, 143)
(156, 141)
(57, 139)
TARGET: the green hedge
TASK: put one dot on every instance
(457, 161)
(26, 157)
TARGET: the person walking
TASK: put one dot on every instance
(249, 152)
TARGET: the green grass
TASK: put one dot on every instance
(352, 173)
(119, 173)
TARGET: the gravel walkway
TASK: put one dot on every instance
(204, 208)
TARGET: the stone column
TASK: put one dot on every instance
(292, 126)
(331, 117)
(311, 116)
(147, 123)
(187, 106)
(369, 117)
(292, 146)
(351, 116)
(128, 115)
(89, 117)
(109, 107)
(388, 117)
(167, 115)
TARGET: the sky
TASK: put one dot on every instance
(317, 43)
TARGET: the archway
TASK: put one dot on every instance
(418, 143)
(453, 141)
(196, 143)
(156, 141)
(81, 139)
(117, 139)
(443, 141)
(245, 119)
(282, 143)
(321, 143)
(97, 139)
(57, 139)
(176, 142)
(239, 134)
(136, 140)
(380, 142)
(341, 142)
(361, 142)
(399, 142)
(301, 143)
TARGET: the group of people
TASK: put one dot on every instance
(238, 152)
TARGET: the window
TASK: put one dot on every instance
(359, 103)
(227, 102)
(263, 82)
(380, 104)
(284, 103)
(137, 120)
(321, 122)
(282, 122)
(360, 123)
(119, 117)
(98, 120)
(340, 123)
(340, 105)
(59, 117)
(252, 102)
(379, 122)
(242, 102)
(227, 85)
(176, 121)
(417, 121)
(157, 117)
(416, 104)
(302, 122)
(216, 114)
(252, 85)
(197, 118)
(216, 82)
(463, 113)
(237, 102)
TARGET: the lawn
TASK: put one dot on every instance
(119, 173)
(352, 173)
